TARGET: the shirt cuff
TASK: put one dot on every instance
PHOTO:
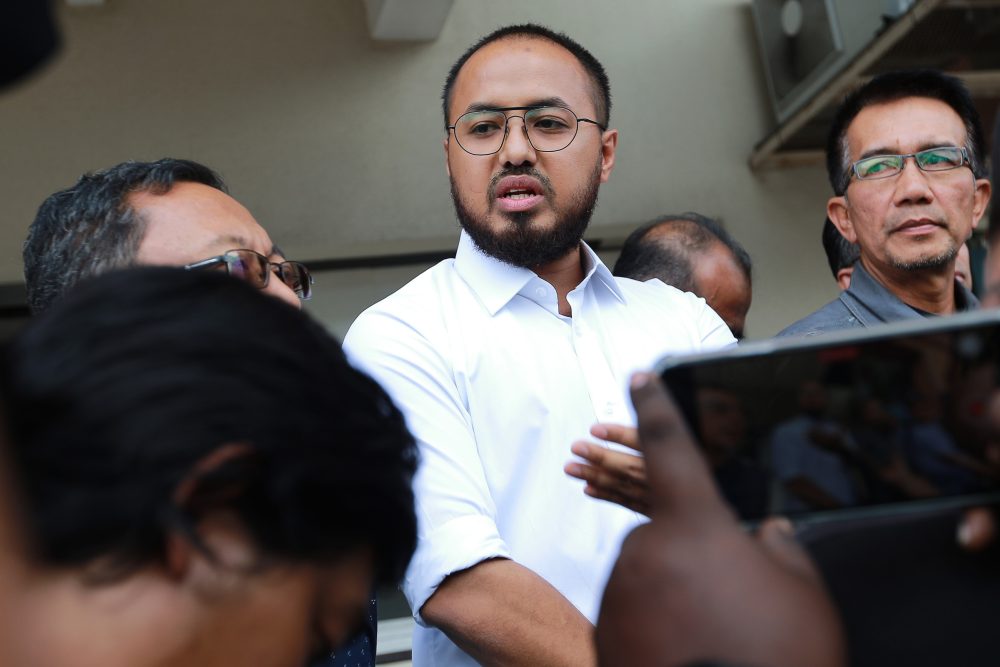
(453, 547)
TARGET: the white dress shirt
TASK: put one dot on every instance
(495, 385)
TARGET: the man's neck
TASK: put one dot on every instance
(927, 290)
(564, 274)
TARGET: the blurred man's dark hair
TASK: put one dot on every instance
(840, 253)
(672, 260)
(694, 254)
(118, 393)
(28, 38)
(91, 228)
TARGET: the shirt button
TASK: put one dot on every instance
(609, 408)
(539, 292)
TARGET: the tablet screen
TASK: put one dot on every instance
(872, 422)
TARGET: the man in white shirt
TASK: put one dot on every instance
(503, 356)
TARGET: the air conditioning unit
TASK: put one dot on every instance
(815, 51)
(805, 43)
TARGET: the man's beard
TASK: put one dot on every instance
(938, 261)
(521, 243)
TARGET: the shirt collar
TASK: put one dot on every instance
(600, 272)
(871, 302)
(496, 282)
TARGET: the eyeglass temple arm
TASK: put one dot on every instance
(205, 263)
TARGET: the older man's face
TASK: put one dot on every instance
(721, 282)
(915, 220)
(192, 222)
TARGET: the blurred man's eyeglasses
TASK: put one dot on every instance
(943, 158)
(256, 269)
(549, 129)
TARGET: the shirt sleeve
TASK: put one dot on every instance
(456, 515)
(709, 331)
(714, 332)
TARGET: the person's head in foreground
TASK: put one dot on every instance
(206, 480)
(169, 212)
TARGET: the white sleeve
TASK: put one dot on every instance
(714, 332)
(710, 331)
(456, 515)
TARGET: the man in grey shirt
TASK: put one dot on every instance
(904, 157)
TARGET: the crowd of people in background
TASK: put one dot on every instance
(196, 473)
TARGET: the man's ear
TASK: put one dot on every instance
(609, 144)
(844, 277)
(191, 497)
(447, 163)
(981, 198)
(839, 214)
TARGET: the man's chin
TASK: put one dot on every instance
(507, 220)
(931, 261)
(530, 238)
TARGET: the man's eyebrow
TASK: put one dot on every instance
(882, 150)
(275, 250)
(540, 102)
(237, 241)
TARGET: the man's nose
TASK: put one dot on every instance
(516, 149)
(913, 184)
(276, 287)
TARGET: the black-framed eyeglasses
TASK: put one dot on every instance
(549, 129)
(256, 269)
(942, 158)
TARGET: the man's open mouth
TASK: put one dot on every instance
(519, 193)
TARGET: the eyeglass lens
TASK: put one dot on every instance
(934, 159)
(255, 269)
(549, 129)
(249, 266)
(296, 276)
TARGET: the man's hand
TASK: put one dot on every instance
(692, 585)
(611, 475)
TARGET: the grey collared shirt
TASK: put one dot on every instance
(867, 303)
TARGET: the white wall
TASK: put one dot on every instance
(334, 141)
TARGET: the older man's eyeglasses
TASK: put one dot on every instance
(943, 158)
(256, 269)
(549, 129)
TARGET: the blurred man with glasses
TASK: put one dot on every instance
(169, 212)
(503, 356)
(905, 159)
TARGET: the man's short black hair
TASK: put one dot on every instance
(840, 253)
(598, 77)
(117, 393)
(670, 257)
(91, 227)
(892, 87)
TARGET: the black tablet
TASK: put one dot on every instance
(862, 423)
